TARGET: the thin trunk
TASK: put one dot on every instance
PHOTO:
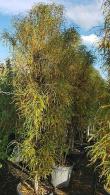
(36, 184)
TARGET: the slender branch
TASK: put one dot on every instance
(6, 92)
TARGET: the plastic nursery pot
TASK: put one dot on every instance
(23, 190)
(107, 190)
(61, 175)
(19, 189)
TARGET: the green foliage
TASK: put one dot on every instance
(100, 151)
(7, 109)
(53, 85)
(88, 87)
(42, 91)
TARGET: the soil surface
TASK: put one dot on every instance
(83, 180)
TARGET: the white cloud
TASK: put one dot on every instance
(17, 6)
(91, 39)
(86, 16)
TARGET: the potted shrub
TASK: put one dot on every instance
(44, 60)
(43, 56)
(62, 170)
(42, 94)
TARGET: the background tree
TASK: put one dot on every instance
(8, 115)
(101, 149)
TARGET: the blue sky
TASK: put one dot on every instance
(86, 14)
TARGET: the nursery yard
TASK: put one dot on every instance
(55, 105)
(83, 181)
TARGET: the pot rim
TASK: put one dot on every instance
(63, 167)
(19, 188)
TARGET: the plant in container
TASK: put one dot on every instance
(44, 56)
(42, 93)
(62, 169)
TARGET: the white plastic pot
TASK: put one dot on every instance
(107, 191)
(19, 189)
(61, 176)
